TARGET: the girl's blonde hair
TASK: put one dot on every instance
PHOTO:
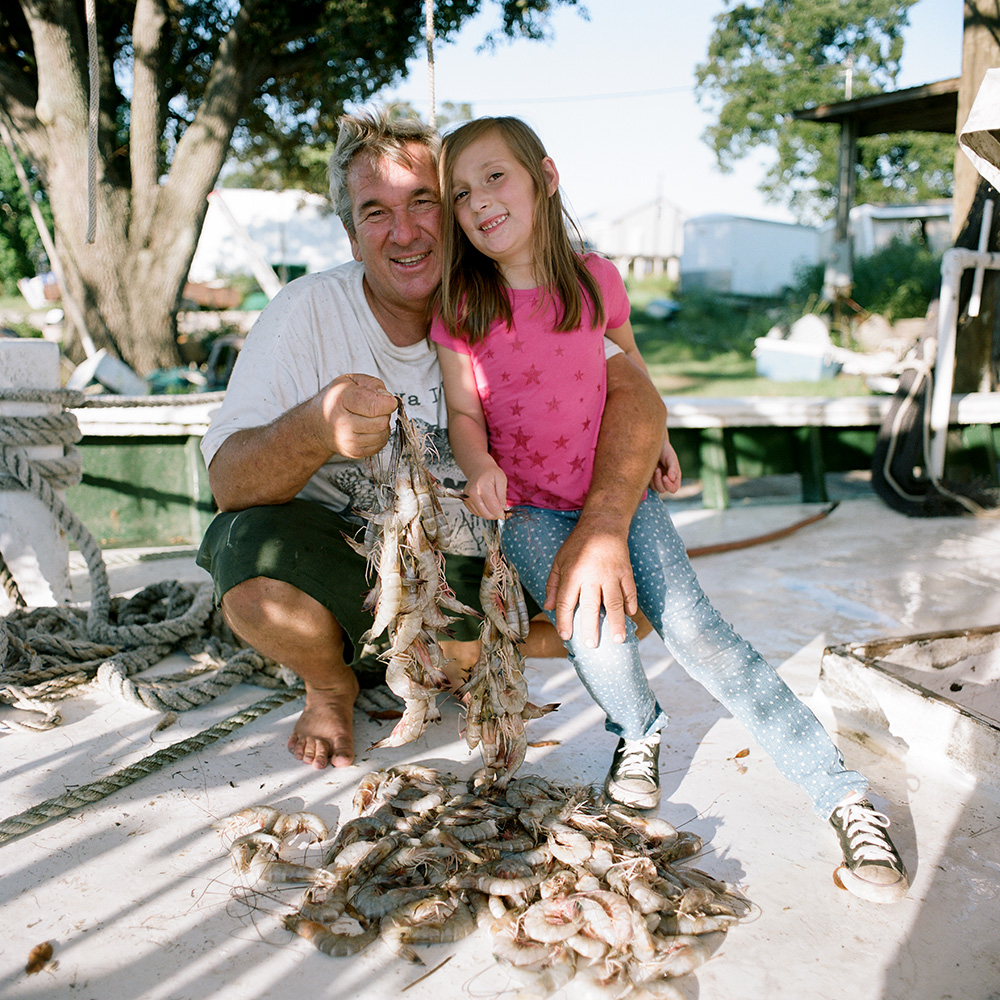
(473, 293)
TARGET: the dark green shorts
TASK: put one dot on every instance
(302, 543)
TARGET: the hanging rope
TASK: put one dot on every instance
(429, 36)
(95, 102)
(46, 653)
(71, 801)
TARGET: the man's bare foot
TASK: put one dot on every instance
(324, 734)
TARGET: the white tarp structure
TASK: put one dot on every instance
(285, 227)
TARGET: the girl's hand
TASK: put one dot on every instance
(487, 492)
(667, 474)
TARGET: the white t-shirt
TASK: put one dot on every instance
(316, 329)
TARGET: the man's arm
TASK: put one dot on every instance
(593, 567)
(272, 463)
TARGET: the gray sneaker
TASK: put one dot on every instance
(872, 867)
(634, 778)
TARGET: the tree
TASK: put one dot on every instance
(176, 81)
(21, 253)
(770, 58)
(305, 167)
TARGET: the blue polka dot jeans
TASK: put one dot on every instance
(698, 638)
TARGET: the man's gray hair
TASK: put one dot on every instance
(378, 136)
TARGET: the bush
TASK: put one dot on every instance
(708, 324)
(898, 282)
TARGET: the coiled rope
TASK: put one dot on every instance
(69, 802)
(46, 653)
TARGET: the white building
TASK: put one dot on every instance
(743, 256)
(644, 241)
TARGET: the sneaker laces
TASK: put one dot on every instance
(637, 759)
(864, 829)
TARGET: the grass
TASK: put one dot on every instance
(706, 349)
(703, 351)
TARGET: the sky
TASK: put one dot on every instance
(612, 98)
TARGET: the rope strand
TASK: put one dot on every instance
(71, 801)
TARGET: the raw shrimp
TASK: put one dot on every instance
(512, 946)
(327, 940)
(495, 886)
(246, 820)
(399, 928)
(289, 824)
(375, 899)
(324, 904)
(554, 919)
(562, 881)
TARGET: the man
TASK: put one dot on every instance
(311, 398)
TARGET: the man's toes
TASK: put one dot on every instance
(317, 753)
(296, 747)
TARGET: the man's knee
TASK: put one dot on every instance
(262, 602)
(248, 601)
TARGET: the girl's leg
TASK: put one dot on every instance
(612, 673)
(728, 666)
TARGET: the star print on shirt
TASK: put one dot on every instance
(552, 404)
(532, 376)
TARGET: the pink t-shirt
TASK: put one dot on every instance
(543, 392)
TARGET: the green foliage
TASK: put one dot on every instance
(709, 326)
(325, 54)
(304, 61)
(261, 166)
(769, 58)
(898, 281)
(21, 253)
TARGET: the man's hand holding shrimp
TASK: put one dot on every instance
(356, 412)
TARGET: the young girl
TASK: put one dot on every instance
(520, 330)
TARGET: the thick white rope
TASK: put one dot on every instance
(40, 649)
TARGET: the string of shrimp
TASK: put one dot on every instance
(410, 599)
(496, 693)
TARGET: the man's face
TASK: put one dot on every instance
(397, 221)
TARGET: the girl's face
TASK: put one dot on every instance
(494, 203)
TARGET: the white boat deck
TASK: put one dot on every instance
(137, 897)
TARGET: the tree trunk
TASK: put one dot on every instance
(974, 338)
(128, 282)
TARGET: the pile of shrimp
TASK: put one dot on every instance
(411, 597)
(496, 692)
(567, 886)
